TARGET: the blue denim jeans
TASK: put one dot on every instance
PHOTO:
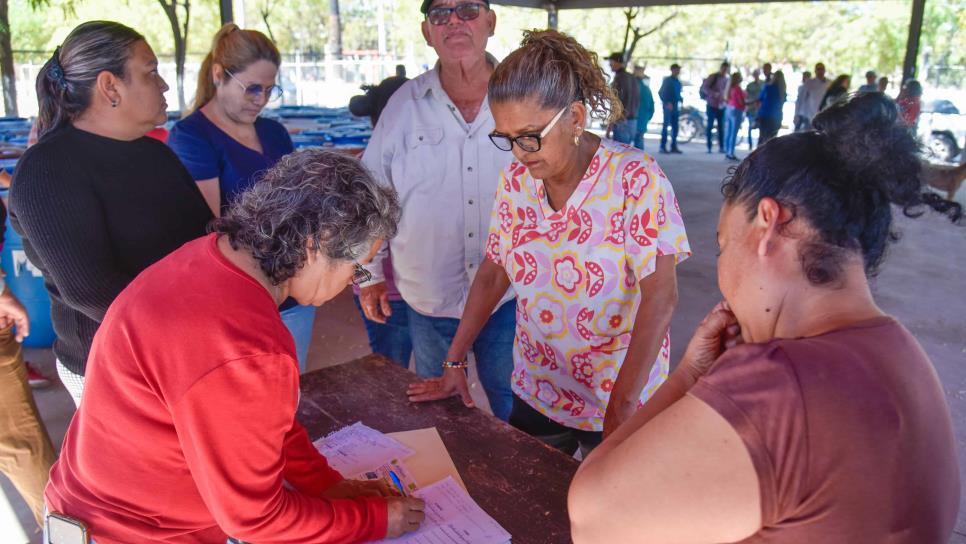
(715, 114)
(625, 130)
(733, 119)
(493, 349)
(751, 127)
(639, 137)
(299, 320)
(671, 118)
(390, 339)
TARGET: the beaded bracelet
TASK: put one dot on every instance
(456, 364)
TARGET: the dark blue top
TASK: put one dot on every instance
(772, 100)
(670, 91)
(208, 152)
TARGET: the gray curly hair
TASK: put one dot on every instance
(310, 195)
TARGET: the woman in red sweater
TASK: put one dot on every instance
(187, 432)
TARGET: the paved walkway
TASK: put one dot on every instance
(923, 283)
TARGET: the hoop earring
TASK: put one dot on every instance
(114, 103)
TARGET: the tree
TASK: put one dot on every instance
(265, 10)
(8, 74)
(179, 31)
(335, 30)
(630, 14)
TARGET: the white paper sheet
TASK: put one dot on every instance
(452, 516)
(358, 448)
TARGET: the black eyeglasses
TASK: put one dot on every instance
(255, 91)
(360, 275)
(530, 143)
(465, 12)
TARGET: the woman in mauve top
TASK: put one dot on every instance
(224, 143)
(800, 413)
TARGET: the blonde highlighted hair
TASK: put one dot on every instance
(234, 49)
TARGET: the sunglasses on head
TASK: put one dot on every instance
(255, 91)
(465, 12)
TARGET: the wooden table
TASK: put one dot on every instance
(517, 479)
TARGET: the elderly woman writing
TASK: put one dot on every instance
(198, 379)
(588, 233)
(800, 412)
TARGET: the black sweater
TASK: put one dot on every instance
(93, 213)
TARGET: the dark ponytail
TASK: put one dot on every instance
(556, 70)
(842, 178)
(66, 82)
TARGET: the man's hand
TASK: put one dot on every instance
(374, 300)
(13, 313)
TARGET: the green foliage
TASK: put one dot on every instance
(848, 36)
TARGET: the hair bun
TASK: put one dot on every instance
(873, 148)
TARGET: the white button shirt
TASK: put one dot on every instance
(446, 173)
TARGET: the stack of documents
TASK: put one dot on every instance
(452, 516)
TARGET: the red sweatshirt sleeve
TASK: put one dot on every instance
(305, 468)
(240, 439)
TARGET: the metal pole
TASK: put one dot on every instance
(912, 45)
(227, 13)
(551, 15)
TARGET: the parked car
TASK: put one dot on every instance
(942, 128)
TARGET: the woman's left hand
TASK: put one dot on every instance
(348, 489)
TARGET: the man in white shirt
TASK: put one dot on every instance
(431, 145)
(800, 122)
(814, 90)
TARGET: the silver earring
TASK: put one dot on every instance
(577, 138)
(114, 103)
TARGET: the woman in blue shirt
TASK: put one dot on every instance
(226, 145)
(771, 100)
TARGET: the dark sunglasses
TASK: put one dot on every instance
(255, 92)
(360, 275)
(465, 12)
(530, 143)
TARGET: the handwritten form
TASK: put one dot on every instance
(357, 449)
(453, 517)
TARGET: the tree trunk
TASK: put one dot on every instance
(171, 10)
(265, 11)
(335, 30)
(7, 71)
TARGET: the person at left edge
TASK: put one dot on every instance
(430, 145)
(96, 201)
(227, 146)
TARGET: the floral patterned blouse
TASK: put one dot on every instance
(576, 273)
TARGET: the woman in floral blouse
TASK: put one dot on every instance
(588, 233)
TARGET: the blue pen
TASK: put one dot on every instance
(395, 480)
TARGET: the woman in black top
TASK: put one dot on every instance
(95, 201)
